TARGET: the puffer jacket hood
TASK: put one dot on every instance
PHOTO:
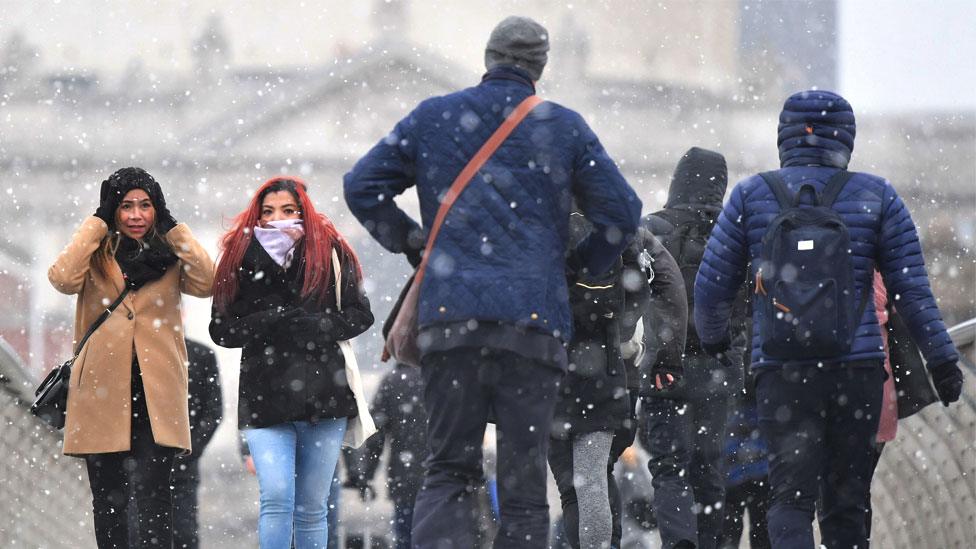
(816, 128)
(700, 177)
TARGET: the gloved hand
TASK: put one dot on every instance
(108, 201)
(310, 325)
(721, 351)
(947, 379)
(164, 219)
(664, 377)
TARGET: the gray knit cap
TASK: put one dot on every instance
(521, 42)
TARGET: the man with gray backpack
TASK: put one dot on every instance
(812, 234)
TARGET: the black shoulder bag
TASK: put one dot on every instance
(51, 396)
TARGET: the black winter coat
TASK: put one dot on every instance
(695, 195)
(594, 394)
(291, 365)
(662, 308)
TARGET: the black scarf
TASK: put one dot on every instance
(143, 262)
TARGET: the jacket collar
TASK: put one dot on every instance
(510, 73)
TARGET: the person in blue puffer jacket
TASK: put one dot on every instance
(820, 416)
(494, 313)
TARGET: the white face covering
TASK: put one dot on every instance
(279, 239)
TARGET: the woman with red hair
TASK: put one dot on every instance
(288, 290)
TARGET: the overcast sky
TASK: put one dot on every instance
(907, 54)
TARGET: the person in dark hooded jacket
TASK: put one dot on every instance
(820, 415)
(652, 330)
(684, 427)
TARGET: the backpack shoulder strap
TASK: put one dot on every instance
(833, 188)
(779, 188)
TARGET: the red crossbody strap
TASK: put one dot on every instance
(475, 164)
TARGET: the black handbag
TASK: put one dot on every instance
(912, 384)
(51, 396)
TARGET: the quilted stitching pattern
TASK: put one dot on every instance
(883, 236)
(501, 253)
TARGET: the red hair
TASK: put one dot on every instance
(320, 237)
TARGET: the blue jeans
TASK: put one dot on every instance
(295, 462)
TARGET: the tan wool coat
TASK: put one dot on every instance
(149, 322)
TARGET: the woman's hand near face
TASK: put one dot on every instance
(108, 204)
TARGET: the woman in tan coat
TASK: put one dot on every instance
(127, 401)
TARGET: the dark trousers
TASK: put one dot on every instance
(878, 448)
(754, 496)
(685, 439)
(820, 426)
(461, 388)
(145, 471)
(402, 523)
(186, 480)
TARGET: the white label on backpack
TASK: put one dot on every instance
(804, 245)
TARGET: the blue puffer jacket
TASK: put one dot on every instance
(501, 255)
(816, 137)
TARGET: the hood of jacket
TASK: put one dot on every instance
(816, 128)
(700, 178)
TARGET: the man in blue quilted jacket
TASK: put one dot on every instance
(819, 416)
(494, 314)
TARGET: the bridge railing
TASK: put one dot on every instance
(924, 491)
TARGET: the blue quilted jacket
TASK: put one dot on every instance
(501, 255)
(816, 137)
